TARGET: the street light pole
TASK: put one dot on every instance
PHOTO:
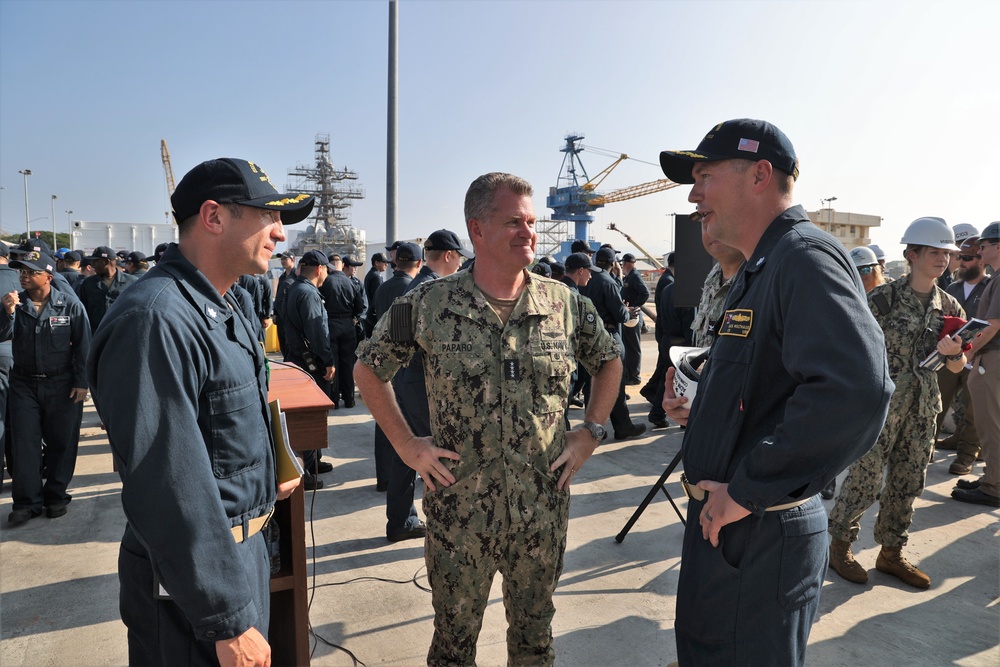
(829, 214)
(55, 244)
(27, 218)
(69, 228)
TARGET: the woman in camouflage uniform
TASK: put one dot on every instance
(911, 313)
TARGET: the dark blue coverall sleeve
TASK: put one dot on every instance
(834, 353)
(186, 445)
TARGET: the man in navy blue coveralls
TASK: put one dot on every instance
(189, 426)
(795, 389)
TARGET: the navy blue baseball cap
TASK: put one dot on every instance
(740, 139)
(31, 245)
(103, 252)
(158, 253)
(444, 239)
(233, 181)
(605, 256)
(314, 258)
(542, 269)
(581, 260)
(35, 261)
(408, 252)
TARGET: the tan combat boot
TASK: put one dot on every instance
(962, 465)
(891, 561)
(843, 563)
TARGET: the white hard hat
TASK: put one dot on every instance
(631, 322)
(687, 362)
(879, 253)
(863, 256)
(963, 231)
(931, 232)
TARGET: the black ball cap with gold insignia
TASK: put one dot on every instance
(234, 181)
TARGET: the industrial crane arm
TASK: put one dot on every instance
(592, 184)
(168, 170)
(632, 192)
(649, 258)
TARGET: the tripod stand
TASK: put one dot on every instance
(659, 486)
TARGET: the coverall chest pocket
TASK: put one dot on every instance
(236, 437)
(59, 331)
(724, 385)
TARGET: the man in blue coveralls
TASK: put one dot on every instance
(189, 426)
(795, 389)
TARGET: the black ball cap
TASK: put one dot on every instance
(605, 256)
(314, 258)
(444, 239)
(742, 139)
(580, 260)
(235, 181)
(35, 261)
(30, 246)
(408, 252)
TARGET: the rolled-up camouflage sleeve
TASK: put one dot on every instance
(593, 345)
(392, 343)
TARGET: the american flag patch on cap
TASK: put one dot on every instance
(749, 145)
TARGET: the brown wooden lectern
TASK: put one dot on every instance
(305, 407)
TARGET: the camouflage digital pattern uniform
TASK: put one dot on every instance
(906, 441)
(710, 306)
(497, 397)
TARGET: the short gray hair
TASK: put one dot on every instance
(479, 197)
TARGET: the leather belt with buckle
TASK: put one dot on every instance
(254, 526)
(701, 495)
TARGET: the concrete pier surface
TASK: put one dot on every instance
(615, 602)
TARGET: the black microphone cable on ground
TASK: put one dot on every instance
(313, 585)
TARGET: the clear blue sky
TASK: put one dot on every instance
(893, 107)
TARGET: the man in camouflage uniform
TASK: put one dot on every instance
(911, 313)
(716, 288)
(498, 347)
(968, 289)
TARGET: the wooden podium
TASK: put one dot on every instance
(305, 407)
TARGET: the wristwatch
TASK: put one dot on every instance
(596, 430)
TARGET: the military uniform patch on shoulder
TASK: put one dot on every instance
(588, 319)
(401, 322)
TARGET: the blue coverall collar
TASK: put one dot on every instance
(196, 287)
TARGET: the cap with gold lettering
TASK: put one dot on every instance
(233, 181)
